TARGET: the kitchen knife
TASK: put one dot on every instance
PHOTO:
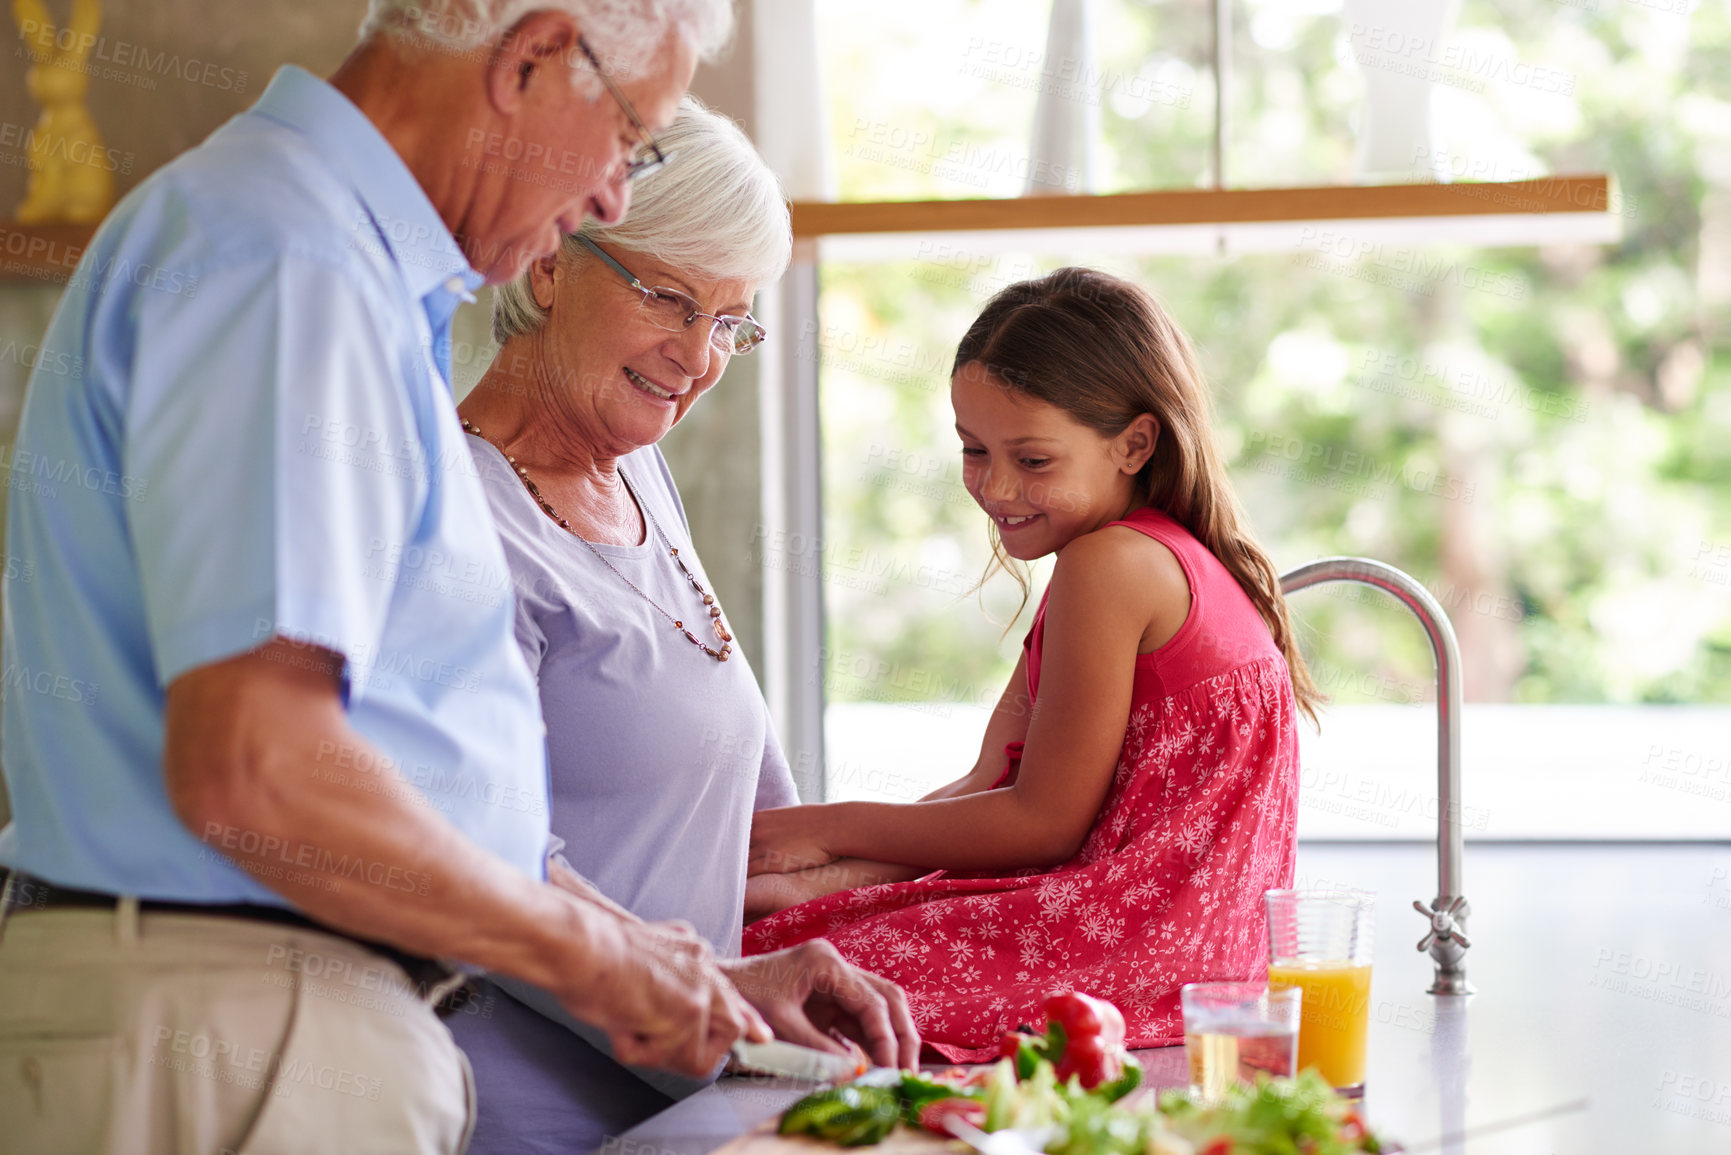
(792, 1061)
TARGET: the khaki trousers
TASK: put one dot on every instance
(126, 1033)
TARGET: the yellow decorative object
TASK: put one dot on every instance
(71, 174)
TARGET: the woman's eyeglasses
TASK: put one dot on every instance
(676, 312)
(647, 157)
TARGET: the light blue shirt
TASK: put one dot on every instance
(241, 427)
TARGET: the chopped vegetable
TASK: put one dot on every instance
(1128, 1080)
(935, 1114)
(811, 1112)
(1024, 1049)
(916, 1092)
(1036, 1102)
(1084, 1040)
(1275, 1117)
(1084, 1016)
(865, 1111)
(1070, 1081)
(1001, 1095)
(848, 1116)
(1092, 1126)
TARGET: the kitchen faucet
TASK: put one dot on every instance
(1448, 911)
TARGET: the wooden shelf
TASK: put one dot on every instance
(1550, 195)
(49, 253)
(41, 253)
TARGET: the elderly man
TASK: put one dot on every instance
(278, 750)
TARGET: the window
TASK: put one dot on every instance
(1541, 435)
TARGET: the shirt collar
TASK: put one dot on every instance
(422, 247)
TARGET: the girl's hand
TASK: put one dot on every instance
(787, 838)
(766, 894)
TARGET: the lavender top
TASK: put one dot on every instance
(657, 753)
(657, 756)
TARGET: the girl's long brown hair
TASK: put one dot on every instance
(1105, 352)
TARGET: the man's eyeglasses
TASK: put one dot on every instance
(647, 157)
(676, 312)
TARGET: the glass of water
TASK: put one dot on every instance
(1234, 1030)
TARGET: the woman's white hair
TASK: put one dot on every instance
(625, 33)
(715, 211)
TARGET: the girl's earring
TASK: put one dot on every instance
(1137, 457)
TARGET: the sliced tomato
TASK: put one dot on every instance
(1219, 1145)
(1351, 1126)
(933, 1115)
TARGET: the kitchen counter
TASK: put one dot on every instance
(1604, 972)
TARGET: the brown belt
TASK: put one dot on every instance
(26, 892)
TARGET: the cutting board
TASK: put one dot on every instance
(762, 1140)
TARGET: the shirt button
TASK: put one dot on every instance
(455, 285)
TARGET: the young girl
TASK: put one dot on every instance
(1136, 791)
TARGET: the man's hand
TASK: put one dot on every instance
(787, 838)
(806, 990)
(662, 999)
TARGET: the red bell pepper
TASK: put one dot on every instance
(1093, 1038)
(1026, 1050)
(1084, 1039)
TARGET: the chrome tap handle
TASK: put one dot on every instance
(1442, 924)
(1447, 943)
(1430, 935)
(1454, 912)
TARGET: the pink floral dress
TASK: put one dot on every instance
(1167, 889)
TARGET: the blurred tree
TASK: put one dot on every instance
(1542, 435)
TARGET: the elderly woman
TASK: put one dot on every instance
(659, 741)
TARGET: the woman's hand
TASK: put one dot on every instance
(788, 838)
(806, 991)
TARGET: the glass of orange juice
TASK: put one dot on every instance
(1320, 942)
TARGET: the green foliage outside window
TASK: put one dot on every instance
(1541, 434)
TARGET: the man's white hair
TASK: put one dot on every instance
(625, 34)
(716, 211)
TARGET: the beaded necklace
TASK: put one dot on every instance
(673, 550)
